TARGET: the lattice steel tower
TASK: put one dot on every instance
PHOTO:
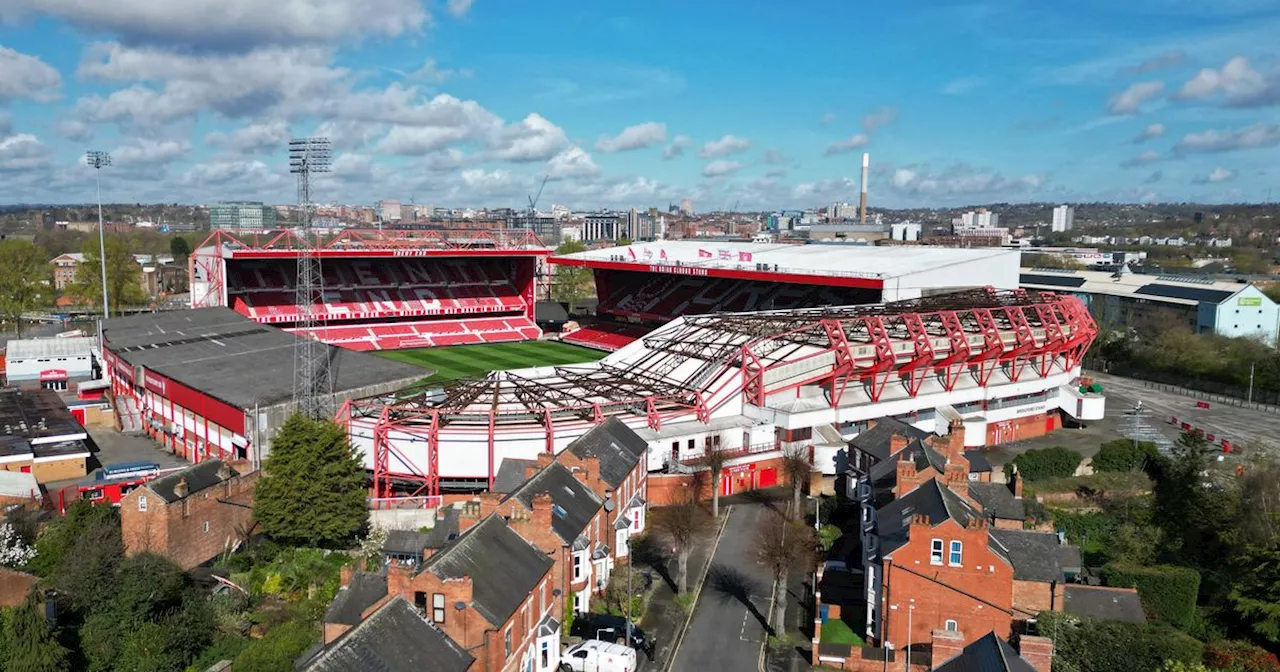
(312, 388)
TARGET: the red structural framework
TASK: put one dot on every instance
(690, 369)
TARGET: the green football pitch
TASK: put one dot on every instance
(460, 361)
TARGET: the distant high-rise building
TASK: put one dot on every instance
(242, 216)
(686, 207)
(389, 211)
(980, 219)
(602, 226)
(546, 228)
(842, 211)
(1064, 217)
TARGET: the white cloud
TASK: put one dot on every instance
(531, 139)
(677, 147)
(22, 152)
(721, 168)
(961, 181)
(458, 7)
(73, 130)
(1142, 159)
(849, 144)
(252, 177)
(146, 152)
(1251, 137)
(1151, 131)
(725, 146)
(231, 24)
(420, 140)
(962, 85)
(252, 139)
(1168, 59)
(827, 119)
(25, 77)
(1216, 175)
(880, 118)
(432, 73)
(572, 163)
(634, 137)
(1237, 80)
(1131, 99)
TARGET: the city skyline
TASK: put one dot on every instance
(750, 106)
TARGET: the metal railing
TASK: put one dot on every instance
(386, 503)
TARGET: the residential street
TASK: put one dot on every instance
(728, 629)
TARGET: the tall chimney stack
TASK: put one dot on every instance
(866, 163)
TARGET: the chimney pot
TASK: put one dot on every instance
(182, 489)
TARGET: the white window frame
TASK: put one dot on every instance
(142, 502)
(955, 553)
(506, 640)
(578, 565)
(936, 552)
(437, 608)
(952, 626)
(206, 527)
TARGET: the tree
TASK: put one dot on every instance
(683, 524)
(124, 275)
(179, 247)
(1125, 455)
(84, 572)
(14, 552)
(797, 467)
(32, 646)
(715, 460)
(783, 543)
(24, 280)
(312, 491)
(1045, 463)
(571, 284)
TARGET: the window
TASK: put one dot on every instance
(142, 503)
(437, 608)
(957, 553)
(952, 626)
(935, 552)
(577, 566)
(546, 660)
(206, 527)
(506, 642)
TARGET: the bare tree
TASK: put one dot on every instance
(783, 543)
(797, 466)
(683, 524)
(715, 460)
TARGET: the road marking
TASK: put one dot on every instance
(697, 593)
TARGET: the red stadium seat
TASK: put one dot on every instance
(606, 335)
(423, 334)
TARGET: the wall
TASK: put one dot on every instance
(1030, 598)
(177, 530)
(59, 470)
(1233, 318)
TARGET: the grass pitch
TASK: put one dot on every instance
(460, 361)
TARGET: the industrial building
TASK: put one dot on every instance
(39, 436)
(210, 382)
(51, 363)
(1126, 299)
(242, 216)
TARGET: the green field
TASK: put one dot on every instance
(460, 361)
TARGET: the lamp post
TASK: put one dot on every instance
(911, 609)
(1251, 365)
(99, 160)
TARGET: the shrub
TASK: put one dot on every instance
(1240, 656)
(1168, 593)
(1086, 645)
(1124, 455)
(277, 650)
(1045, 463)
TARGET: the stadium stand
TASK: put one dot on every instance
(659, 297)
(424, 334)
(606, 335)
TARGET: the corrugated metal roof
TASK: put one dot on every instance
(18, 484)
(1199, 294)
(40, 348)
(1187, 292)
(1055, 280)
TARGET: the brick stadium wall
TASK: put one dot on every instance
(1019, 429)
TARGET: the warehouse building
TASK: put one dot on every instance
(51, 363)
(210, 382)
(39, 436)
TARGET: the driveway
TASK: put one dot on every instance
(728, 626)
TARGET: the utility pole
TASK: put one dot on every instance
(1251, 366)
(911, 609)
(99, 160)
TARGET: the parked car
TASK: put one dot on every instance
(594, 655)
(609, 628)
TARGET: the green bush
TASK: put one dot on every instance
(1124, 455)
(277, 650)
(1168, 593)
(1086, 645)
(1239, 656)
(1045, 463)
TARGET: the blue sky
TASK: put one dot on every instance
(754, 103)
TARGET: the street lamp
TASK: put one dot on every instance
(911, 609)
(99, 160)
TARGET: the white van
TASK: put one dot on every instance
(594, 655)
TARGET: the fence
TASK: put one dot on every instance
(1223, 393)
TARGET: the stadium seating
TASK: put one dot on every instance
(358, 289)
(606, 335)
(423, 334)
(659, 297)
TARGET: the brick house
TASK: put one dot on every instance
(394, 637)
(557, 510)
(491, 592)
(623, 467)
(64, 269)
(190, 516)
(990, 653)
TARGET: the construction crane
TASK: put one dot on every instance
(533, 199)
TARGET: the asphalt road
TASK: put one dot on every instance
(728, 629)
(1240, 425)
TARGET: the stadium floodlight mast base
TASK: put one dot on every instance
(99, 160)
(312, 383)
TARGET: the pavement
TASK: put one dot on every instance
(107, 446)
(1241, 426)
(728, 627)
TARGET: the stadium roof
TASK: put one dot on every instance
(286, 244)
(848, 265)
(227, 356)
(1185, 291)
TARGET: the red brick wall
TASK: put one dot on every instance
(977, 595)
(177, 530)
(1029, 427)
(14, 587)
(1030, 598)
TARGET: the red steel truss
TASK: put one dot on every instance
(942, 338)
